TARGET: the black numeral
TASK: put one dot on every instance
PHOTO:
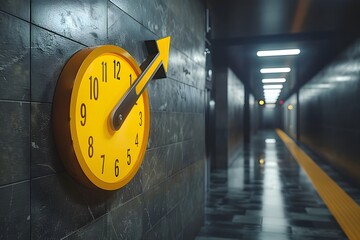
(140, 115)
(128, 157)
(94, 88)
(104, 71)
(117, 167)
(117, 67)
(83, 114)
(137, 140)
(91, 147)
(103, 163)
(130, 79)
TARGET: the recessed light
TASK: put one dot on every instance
(274, 86)
(272, 90)
(283, 52)
(275, 70)
(271, 98)
(273, 80)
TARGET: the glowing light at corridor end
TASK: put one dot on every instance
(261, 161)
(261, 102)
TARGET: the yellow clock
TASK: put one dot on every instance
(101, 112)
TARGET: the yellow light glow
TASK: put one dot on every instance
(290, 107)
(261, 102)
(261, 161)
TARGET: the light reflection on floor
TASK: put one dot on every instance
(273, 205)
(272, 200)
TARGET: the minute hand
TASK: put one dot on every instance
(154, 67)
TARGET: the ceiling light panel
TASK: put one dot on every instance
(283, 52)
(275, 70)
(274, 80)
(273, 86)
(272, 90)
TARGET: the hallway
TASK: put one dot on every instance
(273, 200)
(133, 119)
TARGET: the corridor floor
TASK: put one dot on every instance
(270, 200)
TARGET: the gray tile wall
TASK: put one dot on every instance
(236, 102)
(289, 116)
(39, 200)
(229, 116)
(330, 112)
(221, 117)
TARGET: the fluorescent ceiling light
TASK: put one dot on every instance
(275, 86)
(275, 70)
(272, 91)
(270, 100)
(284, 52)
(271, 97)
(343, 78)
(270, 94)
(273, 80)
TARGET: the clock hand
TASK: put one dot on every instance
(154, 67)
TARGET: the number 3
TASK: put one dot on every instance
(140, 115)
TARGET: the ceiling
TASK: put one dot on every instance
(319, 28)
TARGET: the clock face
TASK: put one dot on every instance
(90, 86)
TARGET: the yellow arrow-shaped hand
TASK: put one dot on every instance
(154, 67)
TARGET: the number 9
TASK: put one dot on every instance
(83, 114)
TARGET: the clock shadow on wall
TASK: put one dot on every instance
(101, 118)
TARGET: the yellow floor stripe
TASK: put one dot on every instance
(345, 210)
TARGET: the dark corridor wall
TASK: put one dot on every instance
(229, 119)
(39, 200)
(236, 101)
(330, 112)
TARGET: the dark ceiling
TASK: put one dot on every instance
(320, 28)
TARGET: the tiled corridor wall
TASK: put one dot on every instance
(229, 118)
(289, 117)
(330, 112)
(236, 101)
(39, 200)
